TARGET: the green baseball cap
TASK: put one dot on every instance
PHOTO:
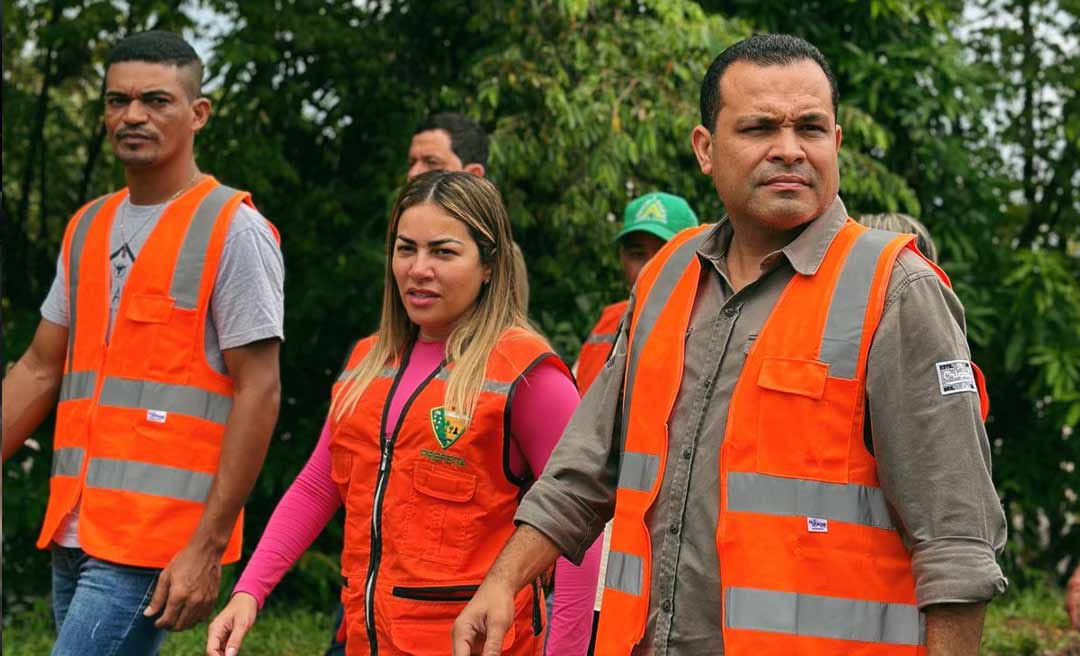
(659, 214)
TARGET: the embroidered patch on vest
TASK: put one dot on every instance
(157, 416)
(956, 376)
(816, 525)
(447, 426)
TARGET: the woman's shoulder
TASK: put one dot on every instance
(521, 348)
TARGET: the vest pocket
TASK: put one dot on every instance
(800, 417)
(436, 593)
(340, 466)
(441, 527)
(165, 334)
(150, 308)
(420, 619)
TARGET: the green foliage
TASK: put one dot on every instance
(589, 104)
(1029, 622)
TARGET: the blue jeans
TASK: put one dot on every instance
(337, 648)
(98, 607)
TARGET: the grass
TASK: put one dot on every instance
(1030, 622)
(285, 632)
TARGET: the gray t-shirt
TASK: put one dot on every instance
(248, 301)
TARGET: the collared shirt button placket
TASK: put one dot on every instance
(719, 336)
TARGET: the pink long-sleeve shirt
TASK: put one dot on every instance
(541, 408)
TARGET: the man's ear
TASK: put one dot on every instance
(701, 142)
(475, 168)
(201, 108)
(839, 137)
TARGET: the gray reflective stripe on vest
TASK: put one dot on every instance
(145, 478)
(608, 338)
(181, 399)
(847, 309)
(190, 263)
(637, 471)
(491, 386)
(824, 617)
(67, 461)
(78, 242)
(78, 385)
(658, 297)
(624, 572)
(387, 372)
(773, 495)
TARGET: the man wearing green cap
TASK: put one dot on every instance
(648, 223)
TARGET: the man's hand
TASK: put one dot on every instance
(228, 629)
(481, 626)
(187, 589)
(1072, 599)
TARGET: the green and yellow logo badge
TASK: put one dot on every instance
(447, 426)
(653, 210)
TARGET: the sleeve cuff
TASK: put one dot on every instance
(956, 570)
(564, 519)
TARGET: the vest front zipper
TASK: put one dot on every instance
(383, 475)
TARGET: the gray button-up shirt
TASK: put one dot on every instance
(932, 451)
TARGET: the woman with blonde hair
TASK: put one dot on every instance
(438, 423)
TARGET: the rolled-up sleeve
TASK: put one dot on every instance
(575, 496)
(930, 442)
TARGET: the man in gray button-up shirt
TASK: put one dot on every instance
(769, 141)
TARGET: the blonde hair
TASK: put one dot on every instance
(897, 222)
(500, 305)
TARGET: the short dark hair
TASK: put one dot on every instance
(161, 47)
(763, 50)
(467, 139)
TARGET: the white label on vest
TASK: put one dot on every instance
(816, 525)
(157, 416)
(956, 376)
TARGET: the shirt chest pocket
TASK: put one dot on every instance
(442, 514)
(804, 420)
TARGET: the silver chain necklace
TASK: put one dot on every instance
(123, 213)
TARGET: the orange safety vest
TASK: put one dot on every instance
(141, 415)
(428, 506)
(810, 558)
(597, 348)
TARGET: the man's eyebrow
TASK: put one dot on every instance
(758, 119)
(112, 93)
(812, 117)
